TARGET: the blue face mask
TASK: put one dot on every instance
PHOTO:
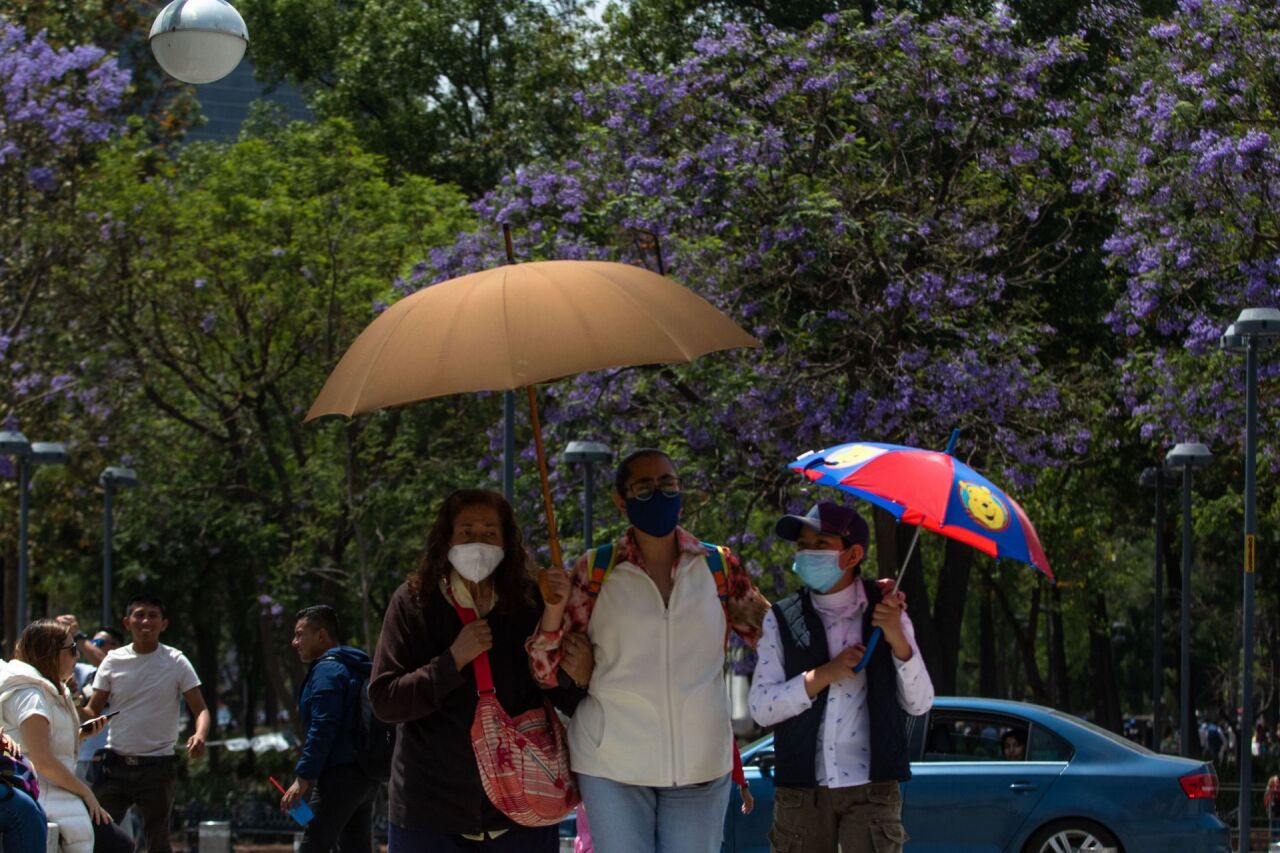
(657, 516)
(818, 570)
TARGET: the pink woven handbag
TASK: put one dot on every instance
(524, 762)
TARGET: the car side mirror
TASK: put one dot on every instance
(764, 761)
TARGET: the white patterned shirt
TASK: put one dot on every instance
(843, 757)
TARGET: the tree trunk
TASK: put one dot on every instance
(1106, 693)
(206, 654)
(988, 678)
(1059, 677)
(1024, 636)
(362, 543)
(948, 613)
(279, 697)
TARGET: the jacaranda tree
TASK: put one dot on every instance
(57, 106)
(1186, 153)
(886, 207)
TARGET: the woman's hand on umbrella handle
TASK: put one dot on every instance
(554, 585)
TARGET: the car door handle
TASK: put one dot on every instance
(1023, 787)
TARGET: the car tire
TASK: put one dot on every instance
(1073, 835)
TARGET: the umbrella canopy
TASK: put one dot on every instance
(933, 490)
(517, 325)
(513, 326)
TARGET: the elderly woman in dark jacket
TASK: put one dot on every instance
(423, 678)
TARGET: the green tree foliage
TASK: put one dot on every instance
(225, 284)
(462, 90)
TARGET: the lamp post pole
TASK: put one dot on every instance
(35, 453)
(1253, 329)
(106, 550)
(15, 445)
(1158, 478)
(588, 453)
(508, 406)
(509, 445)
(24, 501)
(1250, 528)
(110, 479)
(1187, 457)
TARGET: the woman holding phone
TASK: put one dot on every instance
(37, 711)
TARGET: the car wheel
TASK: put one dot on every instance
(1074, 835)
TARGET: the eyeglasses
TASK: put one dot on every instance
(643, 490)
(73, 648)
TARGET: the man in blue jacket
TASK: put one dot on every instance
(339, 792)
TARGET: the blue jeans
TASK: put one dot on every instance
(22, 822)
(636, 819)
(542, 839)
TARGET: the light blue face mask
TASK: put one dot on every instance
(818, 570)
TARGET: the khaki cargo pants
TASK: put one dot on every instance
(862, 819)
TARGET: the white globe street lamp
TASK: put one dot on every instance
(199, 41)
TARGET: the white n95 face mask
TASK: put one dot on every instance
(475, 561)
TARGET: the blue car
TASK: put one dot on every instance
(1076, 787)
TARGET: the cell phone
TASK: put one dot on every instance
(85, 725)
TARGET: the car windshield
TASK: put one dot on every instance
(1108, 734)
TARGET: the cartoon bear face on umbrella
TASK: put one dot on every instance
(984, 507)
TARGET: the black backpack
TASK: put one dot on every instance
(375, 740)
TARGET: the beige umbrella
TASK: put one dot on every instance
(514, 326)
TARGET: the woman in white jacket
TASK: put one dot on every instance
(38, 713)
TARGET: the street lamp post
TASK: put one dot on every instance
(111, 478)
(15, 444)
(198, 41)
(1254, 329)
(1159, 479)
(588, 453)
(28, 454)
(509, 446)
(1186, 457)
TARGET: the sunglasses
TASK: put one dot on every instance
(73, 648)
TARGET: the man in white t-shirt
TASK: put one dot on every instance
(145, 683)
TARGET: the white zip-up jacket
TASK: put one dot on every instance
(658, 710)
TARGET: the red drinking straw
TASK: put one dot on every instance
(277, 784)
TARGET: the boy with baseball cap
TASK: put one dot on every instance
(840, 737)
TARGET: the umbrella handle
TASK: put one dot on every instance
(557, 560)
(871, 647)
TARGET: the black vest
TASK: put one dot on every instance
(804, 647)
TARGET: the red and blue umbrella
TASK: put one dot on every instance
(931, 490)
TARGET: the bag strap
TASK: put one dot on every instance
(718, 562)
(602, 561)
(604, 558)
(484, 674)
